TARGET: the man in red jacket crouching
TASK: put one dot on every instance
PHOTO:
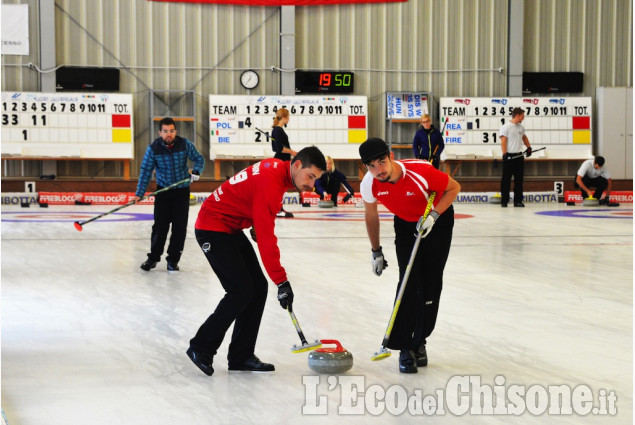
(252, 197)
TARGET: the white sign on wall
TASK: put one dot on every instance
(15, 29)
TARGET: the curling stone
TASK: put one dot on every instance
(330, 359)
(325, 204)
(496, 199)
(590, 202)
(193, 200)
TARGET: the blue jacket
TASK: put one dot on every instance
(425, 143)
(170, 164)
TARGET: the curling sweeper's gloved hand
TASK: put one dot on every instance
(285, 295)
(528, 151)
(425, 226)
(194, 176)
(378, 262)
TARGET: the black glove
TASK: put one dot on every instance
(528, 151)
(285, 295)
(507, 156)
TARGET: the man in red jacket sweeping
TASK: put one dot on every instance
(252, 197)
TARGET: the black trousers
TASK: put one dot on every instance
(234, 261)
(516, 168)
(599, 183)
(333, 189)
(170, 208)
(417, 314)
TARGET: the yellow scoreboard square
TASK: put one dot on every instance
(581, 137)
(121, 135)
(356, 136)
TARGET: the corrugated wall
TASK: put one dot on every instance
(169, 46)
(448, 48)
(594, 37)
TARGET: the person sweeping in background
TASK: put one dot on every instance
(168, 155)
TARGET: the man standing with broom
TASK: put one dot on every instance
(405, 187)
(168, 155)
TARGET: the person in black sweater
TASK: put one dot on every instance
(280, 145)
(330, 183)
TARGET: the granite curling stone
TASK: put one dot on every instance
(330, 360)
(325, 204)
(590, 202)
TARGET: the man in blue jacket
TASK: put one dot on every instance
(168, 155)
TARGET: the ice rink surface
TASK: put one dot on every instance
(534, 299)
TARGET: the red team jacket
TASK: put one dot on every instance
(408, 198)
(252, 197)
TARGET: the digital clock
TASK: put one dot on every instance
(324, 82)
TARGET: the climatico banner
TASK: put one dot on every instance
(283, 2)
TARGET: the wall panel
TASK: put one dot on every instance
(448, 48)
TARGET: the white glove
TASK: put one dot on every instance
(378, 262)
(194, 176)
(425, 226)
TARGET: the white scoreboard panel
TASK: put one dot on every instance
(314, 120)
(83, 125)
(548, 120)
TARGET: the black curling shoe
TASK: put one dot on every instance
(421, 356)
(148, 265)
(202, 361)
(407, 362)
(252, 364)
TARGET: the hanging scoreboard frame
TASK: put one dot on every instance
(549, 121)
(406, 106)
(314, 120)
(82, 125)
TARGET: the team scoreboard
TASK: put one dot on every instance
(564, 121)
(314, 120)
(82, 125)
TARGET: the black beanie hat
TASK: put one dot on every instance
(373, 148)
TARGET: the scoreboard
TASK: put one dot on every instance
(564, 121)
(83, 125)
(313, 120)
